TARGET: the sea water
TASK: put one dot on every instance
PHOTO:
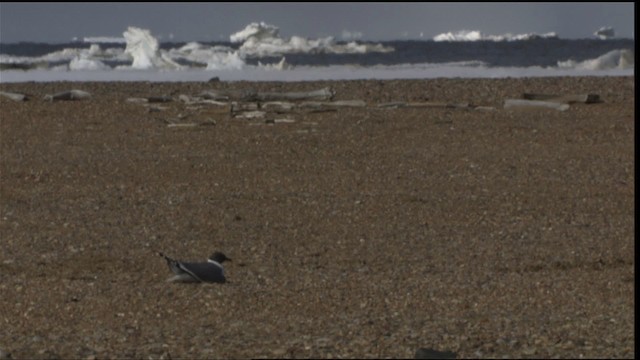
(259, 53)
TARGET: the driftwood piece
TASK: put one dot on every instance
(392, 105)
(283, 120)
(251, 114)
(156, 108)
(150, 100)
(137, 100)
(484, 108)
(159, 99)
(349, 103)
(339, 103)
(428, 104)
(284, 106)
(14, 96)
(251, 95)
(567, 99)
(190, 125)
(521, 103)
(321, 109)
(227, 95)
(68, 95)
(424, 353)
(189, 100)
(442, 105)
(321, 94)
(237, 107)
(278, 106)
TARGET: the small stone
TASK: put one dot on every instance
(4, 355)
(68, 95)
(323, 342)
(424, 353)
(14, 96)
(49, 355)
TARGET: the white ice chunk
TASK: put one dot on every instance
(462, 35)
(351, 35)
(82, 63)
(104, 39)
(261, 39)
(225, 61)
(615, 59)
(145, 51)
(605, 32)
(258, 31)
(476, 35)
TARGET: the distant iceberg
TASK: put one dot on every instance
(257, 31)
(259, 46)
(615, 59)
(262, 39)
(104, 40)
(67, 54)
(605, 32)
(476, 35)
(462, 35)
(351, 35)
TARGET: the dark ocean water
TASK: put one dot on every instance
(535, 52)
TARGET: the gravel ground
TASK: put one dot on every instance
(362, 232)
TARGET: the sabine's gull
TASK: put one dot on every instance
(210, 271)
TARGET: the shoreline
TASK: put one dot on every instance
(494, 90)
(306, 73)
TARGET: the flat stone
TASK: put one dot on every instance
(4, 355)
(424, 353)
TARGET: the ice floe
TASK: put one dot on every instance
(145, 50)
(476, 35)
(605, 33)
(260, 39)
(615, 59)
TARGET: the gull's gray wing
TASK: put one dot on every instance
(174, 265)
(205, 271)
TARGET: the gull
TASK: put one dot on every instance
(190, 272)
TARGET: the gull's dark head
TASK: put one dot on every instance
(219, 257)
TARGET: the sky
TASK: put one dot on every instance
(62, 22)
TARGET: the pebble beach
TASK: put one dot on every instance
(355, 232)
